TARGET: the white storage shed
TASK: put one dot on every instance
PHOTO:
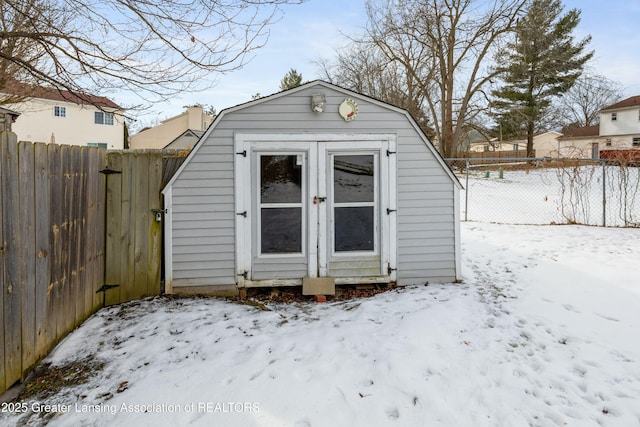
(313, 182)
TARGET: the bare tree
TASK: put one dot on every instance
(580, 106)
(445, 46)
(21, 48)
(362, 67)
(155, 49)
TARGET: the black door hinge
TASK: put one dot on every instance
(242, 153)
(391, 210)
(104, 288)
(108, 171)
(244, 214)
(390, 153)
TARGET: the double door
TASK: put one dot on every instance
(315, 208)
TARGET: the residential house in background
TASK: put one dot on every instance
(494, 145)
(545, 144)
(580, 143)
(186, 140)
(178, 132)
(617, 135)
(620, 125)
(52, 116)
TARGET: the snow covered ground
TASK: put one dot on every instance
(543, 331)
(554, 196)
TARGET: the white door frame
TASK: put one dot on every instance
(317, 146)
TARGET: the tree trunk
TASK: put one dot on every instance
(530, 152)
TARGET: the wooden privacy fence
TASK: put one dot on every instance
(52, 216)
(494, 156)
(67, 228)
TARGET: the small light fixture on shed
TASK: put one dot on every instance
(318, 102)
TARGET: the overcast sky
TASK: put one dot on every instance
(312, 30)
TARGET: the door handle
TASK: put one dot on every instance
(317, 200)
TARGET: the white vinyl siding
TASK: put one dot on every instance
(203, 220)
(426, 232)
(626, 123)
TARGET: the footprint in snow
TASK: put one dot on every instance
(569, 307)
(620, 357)
(580, 371)
(393, 413)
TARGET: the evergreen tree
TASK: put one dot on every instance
(290, 80)
(542, 62)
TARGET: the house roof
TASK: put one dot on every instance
(53, 94)
(582, 132)
(305, 86)
(7, 111)
(189, 133)
(634, 101)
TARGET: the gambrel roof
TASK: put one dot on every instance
(321, 84)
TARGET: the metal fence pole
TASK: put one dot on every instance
(604, 193)
(466, 193)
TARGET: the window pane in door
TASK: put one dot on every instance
(354, 230)
(281, 179)
(281, 230)
(353, 178)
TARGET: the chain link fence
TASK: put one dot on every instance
(542, 191)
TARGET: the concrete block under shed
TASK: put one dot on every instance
(318, 286)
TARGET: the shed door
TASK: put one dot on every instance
(280, 231)
(353, 214)
(315, 209)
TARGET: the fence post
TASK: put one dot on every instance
(604, 194)
(466, 192)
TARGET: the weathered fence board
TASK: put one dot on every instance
(5, 138)
(26, 159)
(101, 227)
(42, 270)
(11, 286)
(56, 215)
(140, 221)
(127, 234)
(79, 219)
(95, 193)
(66, 229)
(113, 219)
(155, 227)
